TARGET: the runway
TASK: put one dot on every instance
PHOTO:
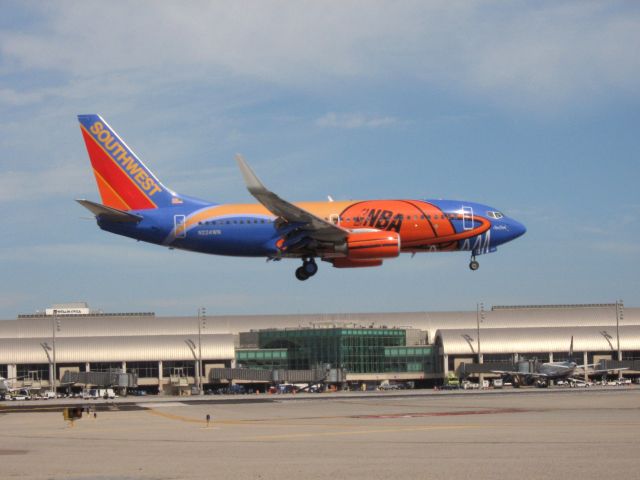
(558, 434)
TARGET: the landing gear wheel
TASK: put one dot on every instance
(474, 265)
(310, 267)
(301, 274)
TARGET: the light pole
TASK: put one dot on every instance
(202, 324)
(192, 348)
(55, 327)
(479, 318)
(619, 316)
(45, 346)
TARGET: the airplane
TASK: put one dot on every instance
(553, 371)
(7, 391)
(546, 372)
(346, 234)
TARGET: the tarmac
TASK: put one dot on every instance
(559, 433)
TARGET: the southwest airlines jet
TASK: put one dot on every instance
(346, 234)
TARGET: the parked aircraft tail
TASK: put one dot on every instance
(571, 349)
(124, 182)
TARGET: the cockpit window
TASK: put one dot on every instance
(495, 215)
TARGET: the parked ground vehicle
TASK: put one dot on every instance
(96, 393)
(451, 382)
(21, 394)
(232, 390)
(467, 385)
(388, 386)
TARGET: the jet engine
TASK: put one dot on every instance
(367, 249)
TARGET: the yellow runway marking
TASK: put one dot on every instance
(171, 416)
(360, 432)
(266, 423)
(248, 422)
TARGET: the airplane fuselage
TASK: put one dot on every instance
(558, 370)
(251, 230)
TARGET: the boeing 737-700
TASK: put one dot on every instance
(554, 371)
(347, 234)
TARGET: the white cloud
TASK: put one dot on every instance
(617, 247)
(19, 186)
(9, 96)
(354, 120)
(114, 253)
(530, 55)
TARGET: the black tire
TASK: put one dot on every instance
(310, 268)
(301, 274)
(473, 265)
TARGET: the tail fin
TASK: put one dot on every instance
(571, 349)
(124, 182)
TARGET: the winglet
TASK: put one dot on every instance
(254, 185)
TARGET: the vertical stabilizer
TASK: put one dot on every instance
(124, 182)
(571, 349)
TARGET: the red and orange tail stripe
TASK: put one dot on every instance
(117, 190)
(123, 180)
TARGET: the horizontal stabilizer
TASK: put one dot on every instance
(109, 213)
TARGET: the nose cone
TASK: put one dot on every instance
(517, 229)
(505, 230)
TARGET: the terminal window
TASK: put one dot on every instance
(144, 369)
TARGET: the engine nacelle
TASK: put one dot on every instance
(346, 263)
(372, 245)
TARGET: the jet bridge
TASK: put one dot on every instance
(110, 379)
(316, 375)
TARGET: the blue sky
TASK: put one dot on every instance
(533, 108)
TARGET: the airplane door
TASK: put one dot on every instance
(467, 218)
(179, 225)
(335, 218)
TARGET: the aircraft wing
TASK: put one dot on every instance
(606, 370)
(520, 374)
(313, 226)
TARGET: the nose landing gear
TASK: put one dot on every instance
(308, 269)
(473, 264)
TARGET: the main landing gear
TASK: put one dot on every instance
(473, 264)
(308, 269)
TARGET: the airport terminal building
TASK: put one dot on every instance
(167, 353)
